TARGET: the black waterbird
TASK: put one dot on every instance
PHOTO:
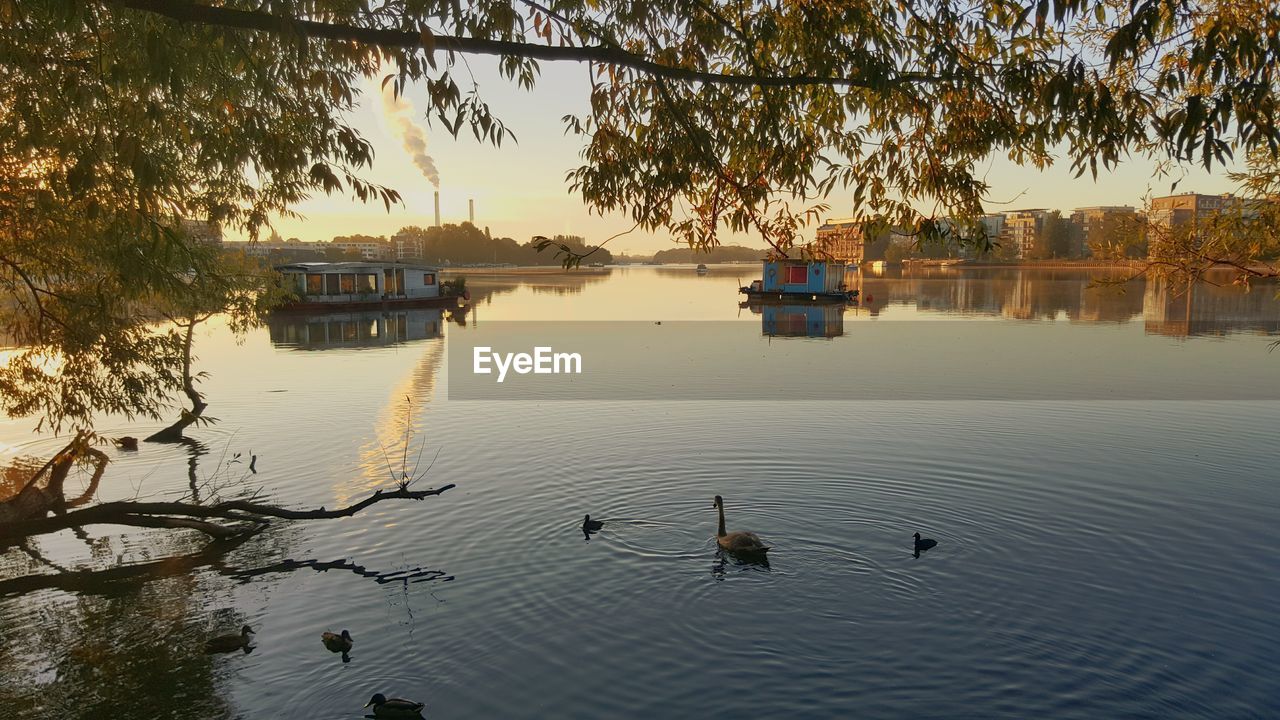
(923, 544)
(394, 707)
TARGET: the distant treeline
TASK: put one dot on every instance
(721, 254)
(466, 244)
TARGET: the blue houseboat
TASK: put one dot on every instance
(800, 281)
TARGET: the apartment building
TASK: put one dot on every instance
(1103, 226)
(367, 249)
(842, 240)
(1021, 229)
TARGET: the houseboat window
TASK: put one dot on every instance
(797, 274)
(315, 284)
(428, 278)
(792, 324)
(331, 286)
(348, 283)
(367, 283)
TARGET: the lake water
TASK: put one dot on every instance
(1102, 553)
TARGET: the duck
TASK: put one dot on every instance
(923, 544)
(230, 643)
(737, 542)
(589, 525)
(394, 707)
(337, 643)
(127, 442)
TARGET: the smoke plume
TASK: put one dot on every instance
(400, 111)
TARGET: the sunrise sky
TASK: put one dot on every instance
(520, 189)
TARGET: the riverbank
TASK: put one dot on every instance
(1057, 264)
(524, 270)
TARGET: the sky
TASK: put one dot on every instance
(520, 189)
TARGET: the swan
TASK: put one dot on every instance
(740, 541)
(923, 544)
(230, 643)
(394, 707)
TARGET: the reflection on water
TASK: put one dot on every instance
(1079, 296)
(1209, 310)
(328, 331)
(726, 562)
(824, 320)
(1090, 560)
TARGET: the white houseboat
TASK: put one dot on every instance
(355, 285)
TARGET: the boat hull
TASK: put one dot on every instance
(442, 301)
(774, 296)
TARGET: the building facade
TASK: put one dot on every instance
(265, 248)
(407, 247)
(1021, 230)
(1173, 211)
(842, 240)
(1105, 226)
(366, 249)
(1177, 218)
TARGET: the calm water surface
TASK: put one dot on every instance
(1096, 558)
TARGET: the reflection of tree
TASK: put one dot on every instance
(486, 286)
(117, 651)
(130, 643)
(112, 580)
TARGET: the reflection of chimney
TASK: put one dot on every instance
(471, 207)
(437, 208)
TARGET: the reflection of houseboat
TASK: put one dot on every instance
(358, 285)
(800, 281)
(326, 331)
(811, 320)
(702, 269)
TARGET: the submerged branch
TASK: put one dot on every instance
(211, 555)
(178, 514)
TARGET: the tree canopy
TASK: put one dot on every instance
(121, 117)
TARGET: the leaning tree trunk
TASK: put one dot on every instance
(173, 433)
(34, 501)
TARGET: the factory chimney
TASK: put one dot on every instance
(437, 208)
(471, 207)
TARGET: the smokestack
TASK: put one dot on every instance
(437, 208)
(471, 206)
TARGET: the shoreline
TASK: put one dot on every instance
(524, 270)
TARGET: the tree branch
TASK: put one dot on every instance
(160, 514)
(213, 530)
(386, 37)
(101, 581)
(100, 466)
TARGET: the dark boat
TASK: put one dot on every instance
(330, 287)
(762, 296)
